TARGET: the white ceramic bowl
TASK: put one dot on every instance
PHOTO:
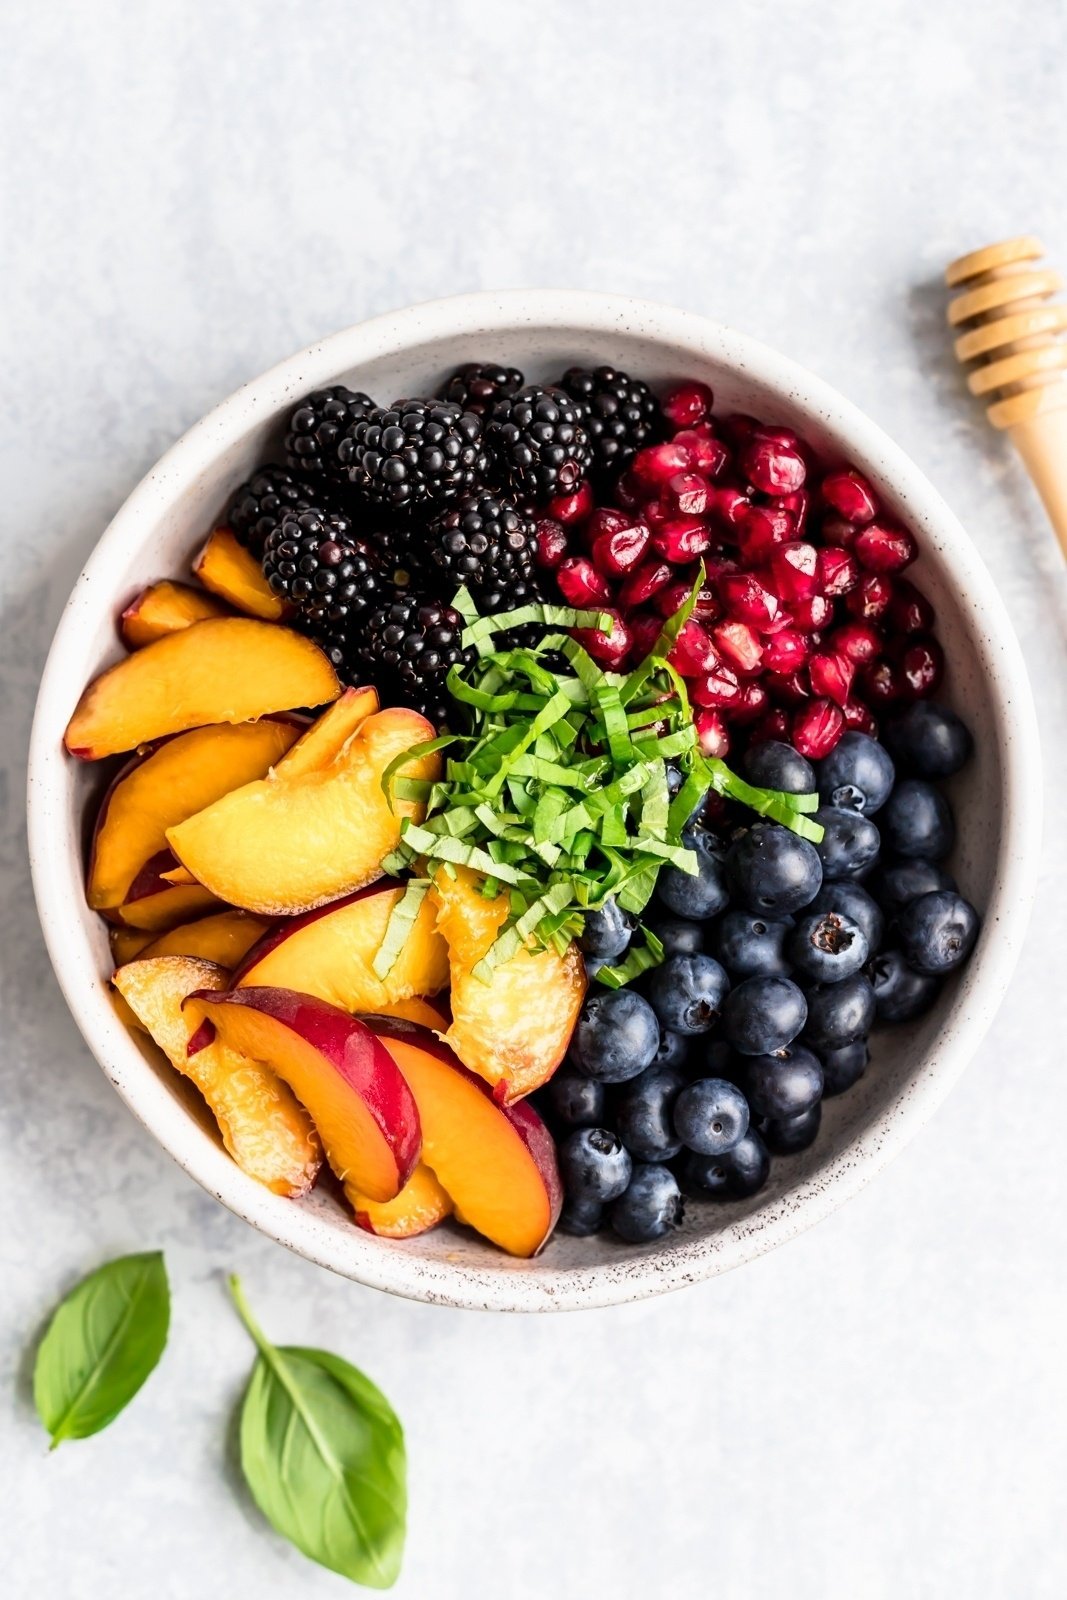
(997, 798)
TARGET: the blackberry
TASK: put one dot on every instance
(622, 413)
(538, 442)
(418, 454)
(259, 505)
(314, 560)
(478, 385)
(409, 645)
(317, 427)
(487, 542)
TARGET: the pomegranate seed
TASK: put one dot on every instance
(681, 539)
(870, 598)
(798, 504)
(688, 404)
(738, 427)
(729, 503)
(883, 548)
(707, 454)
(760, 530)
(608, 650)
(581, 584)
(668, 599)
(838, 571)
(607, 519)
(774, 724)
(778, 435)
(859, 718)
(739, 644)
(881, 682)
(786, 652)
(909, 610)
(572, 508)
(771, 465)
(649, 578)
(812, 614)
(817, 728)
(706, 607)
(687, 494)
(838, 531)
(788, 688)
(745, 598)
(645, 629)
(656, 465)
(859, 642)
(628, 492)
(551, 546)
(712, 736)
(716, 690)
(831, 676)
(850, 495)
(922, 666)
(615, 554)
(693, 651)
(752, 702)
(794, 571)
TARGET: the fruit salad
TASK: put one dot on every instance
(531, 807)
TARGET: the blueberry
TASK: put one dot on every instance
(898, 885)
(787, 1136)
(607, 931)
(826, 946)
(617, 1036)
(900, 993)
(642, 1114)
(651, 1206)
(785, 1084)
(929, 740)
(839, 1013)
(917, 821)
(575, 1100)
(751, 946)
(937, 932)
(843, 1067)
(857, 774)
(734, 1175)
(773, 870)
(852, 900)
(701, 896)
(776, 765)
(678, 935)
(594, 1165)
(849, 844)
(687, 993)
(581, 1218)
(674, 1051)
(764, 1014)
(711, 1116)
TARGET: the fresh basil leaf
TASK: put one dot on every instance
(323, 1453)
(104, 1339)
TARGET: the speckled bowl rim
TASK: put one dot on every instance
(537, 1285)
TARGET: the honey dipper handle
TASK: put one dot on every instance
(1041, 440)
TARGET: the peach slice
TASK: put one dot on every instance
(514, 1030)
(356, 1095)
(232, 572)
(164, 608)
(288, 844)
(225, 938)
(420, 1206)
(427, 1013)
(227, 669)
(497, 1163)
(153, 904)
(128, 943)
(323, 740)
(180, 776)
(268, 1134)
(330, 953)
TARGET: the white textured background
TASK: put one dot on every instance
(189, 192)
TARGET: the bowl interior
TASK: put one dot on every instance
(159, 529)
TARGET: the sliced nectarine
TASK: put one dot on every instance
(225, 938)
(268, 1134)
(164, 608)
(288, 844)
(515, 1029)
(420, 1206)
(154, 904)
(232, 572)
(323, 740)
(128, 943)
(432, 1014)
(357, 1097)
(496, 1162)
(330, 953)
(180, 776)
(227, 669)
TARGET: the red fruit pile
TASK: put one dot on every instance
(804, 626)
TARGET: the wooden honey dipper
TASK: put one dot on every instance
(1014, 335)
